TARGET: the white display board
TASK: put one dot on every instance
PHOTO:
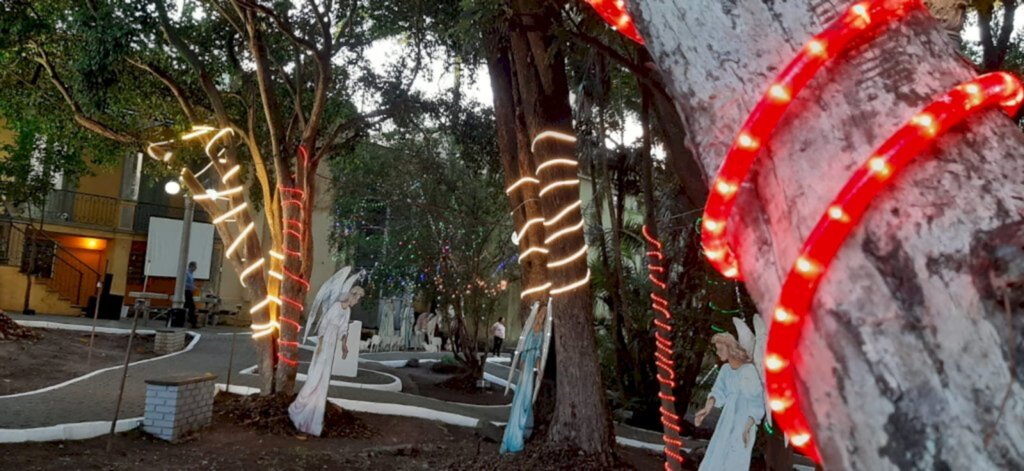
(164, 246)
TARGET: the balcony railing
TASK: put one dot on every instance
(102, 212)
(60, 270)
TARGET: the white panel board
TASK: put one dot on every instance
(164, 245)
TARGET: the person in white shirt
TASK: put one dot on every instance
(498, 331)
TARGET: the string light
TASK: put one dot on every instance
(535, 289)
(569, 259)
(556, 162)
(561, 214)
(238, 240)
(571, 286)
(245, 273)
(531, 250)
(555, 185)
(216, 137)
(230, 173)
(229, 213)
(615, 14)
(520, 182)
(198, 131)
(557, 135)
(276, 255)
(568, 230)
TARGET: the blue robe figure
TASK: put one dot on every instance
(520, 419)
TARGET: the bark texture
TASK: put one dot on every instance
(910, 353)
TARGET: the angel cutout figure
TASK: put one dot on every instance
(336, 296)
(739, 390)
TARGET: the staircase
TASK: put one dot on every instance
(62, 283)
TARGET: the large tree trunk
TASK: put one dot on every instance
(909, 354)
(581, 417)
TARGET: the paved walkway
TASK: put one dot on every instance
(94, 398)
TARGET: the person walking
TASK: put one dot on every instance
(498, 331)
(190, 288)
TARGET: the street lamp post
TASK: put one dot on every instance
(178, 300)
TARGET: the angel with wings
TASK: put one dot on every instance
(739, 390)
(336, 297)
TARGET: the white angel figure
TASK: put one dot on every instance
(739, 390)
(336, 296)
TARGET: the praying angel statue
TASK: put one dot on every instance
(739, 390)
(336, 296)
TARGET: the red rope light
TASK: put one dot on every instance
(614, 12)
(663, 353)
(846, 210)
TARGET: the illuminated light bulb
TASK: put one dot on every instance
(554, 162)
(559, 234)
(276, 255)
(535, 289)
(805, 265)
(573, 285)
(816, 48)
(777, 405)
(926, 122)
(238, 240)
(861, 10)
(250, 269)
(713, 226)
(774, 363)
(563, 213)
(229, 213)
(879, 166)
(230, 173)
(745, 141)
(731, 272)
(561, 136)
(520, 182)
(553, 185)
(725, 188)
(779, 93)
(715, 254)
(836, 213)
(569, 259)
(784, 316)
(800, 440)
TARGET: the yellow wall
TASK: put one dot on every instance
(12, 295)
(105, 182)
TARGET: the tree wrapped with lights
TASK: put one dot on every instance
(888, 270)
(259, 87)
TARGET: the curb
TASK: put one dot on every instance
(73, 431)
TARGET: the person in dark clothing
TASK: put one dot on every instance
(190, 288)
(498, 331)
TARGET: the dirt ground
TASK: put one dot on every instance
(237, 441)
(60, 355)
(424, 381)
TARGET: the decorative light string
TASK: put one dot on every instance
(663, 349)
(846, 210)
(292, 231)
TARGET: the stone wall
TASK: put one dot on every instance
(169, 341)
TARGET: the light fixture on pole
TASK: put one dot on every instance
(172, 188)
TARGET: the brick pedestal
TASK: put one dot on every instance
(178, 405)
(169, 341)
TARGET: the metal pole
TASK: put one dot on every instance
(96, 311)
(179, 278)
(124, 376)
(231, 362)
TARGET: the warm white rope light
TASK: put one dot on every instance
(245, 273)
(276, 255)
(553, 162)
(201, 172)
(230, 173)
(276, 275)
(558, 184)
(573, 285)
(238, 240)
(531, 250)
(561, 136)
(198, 131)
(563, 213)
(516, 236)
(230, 212)
(569, 259)
(567, 230)
(216, 137)
(535, 289)
(520, 182)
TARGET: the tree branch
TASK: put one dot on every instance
(79, 115)
(164, 77)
